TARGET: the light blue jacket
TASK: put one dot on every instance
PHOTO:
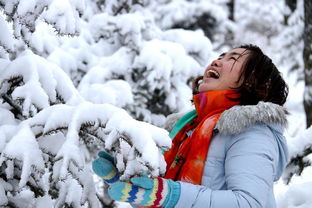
(247, 154)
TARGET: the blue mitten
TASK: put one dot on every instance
(104, 167)
(145, 191)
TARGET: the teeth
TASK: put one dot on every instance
(213, 73)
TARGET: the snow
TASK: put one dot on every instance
(18, 148)
(201, 48)
(296, 146)
(10, 6)
(297, 196)
(6, 39)
(66, 16)
(63, 59)
(23, 199)
(77, 77)
(25, 6)
(43, 39)
(296, 117)
(115, 92)
(3, 188)
(43, 202)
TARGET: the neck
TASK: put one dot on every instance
(212, 102)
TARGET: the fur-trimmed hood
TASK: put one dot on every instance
(238, 118)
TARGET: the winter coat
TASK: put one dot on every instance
(247, 154)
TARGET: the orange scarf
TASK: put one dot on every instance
(187, 156)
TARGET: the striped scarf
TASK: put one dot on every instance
(187, 156)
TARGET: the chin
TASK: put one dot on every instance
(205, 89)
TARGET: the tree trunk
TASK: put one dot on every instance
(307, 58)
(229, 37)
(230, 4)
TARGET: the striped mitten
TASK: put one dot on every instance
(104, 167)
(145, 191)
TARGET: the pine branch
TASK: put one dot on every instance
(7, 50)
(11, 205)
(59, 99)
(17, 110)
(52, 131)
(38, 192)
(299, 162)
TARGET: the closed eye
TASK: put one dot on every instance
(233, 58)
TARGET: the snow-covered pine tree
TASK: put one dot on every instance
(292, 36)
(49, 131)
(50, 135)
(130, 62)
(259, 26)
(24, 15)
(211, 17)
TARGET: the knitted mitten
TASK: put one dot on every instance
(145, 191)
(104, 167)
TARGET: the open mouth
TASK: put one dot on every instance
(213, 74)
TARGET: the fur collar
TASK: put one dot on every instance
(238, 118)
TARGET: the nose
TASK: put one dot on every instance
(216, 63)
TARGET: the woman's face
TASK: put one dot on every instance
(224, 73)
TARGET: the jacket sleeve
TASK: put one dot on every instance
(250, 163)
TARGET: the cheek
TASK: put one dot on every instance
(235, 77)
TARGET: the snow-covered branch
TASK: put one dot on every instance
(48, 152)
(30, 84)
(28, 156)
(300, 151)
(62, 15)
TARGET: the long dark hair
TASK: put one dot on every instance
(261, 80)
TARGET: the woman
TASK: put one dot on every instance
(228, 151)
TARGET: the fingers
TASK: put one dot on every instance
(102, 167)
(107, 156)
(105, 169)
(143, 182)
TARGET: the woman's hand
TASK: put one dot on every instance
(104, 167)
(145, 191)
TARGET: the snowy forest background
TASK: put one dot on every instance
(79, 76)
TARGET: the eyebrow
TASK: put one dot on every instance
(232, 54)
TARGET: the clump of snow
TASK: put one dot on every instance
(297, 196)
(296, 146)
(4, 187)
(200, 49)
(115, 92)
(66, 13)
(23, 147)
(24, 198)
(43, 82)
(6, 39)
